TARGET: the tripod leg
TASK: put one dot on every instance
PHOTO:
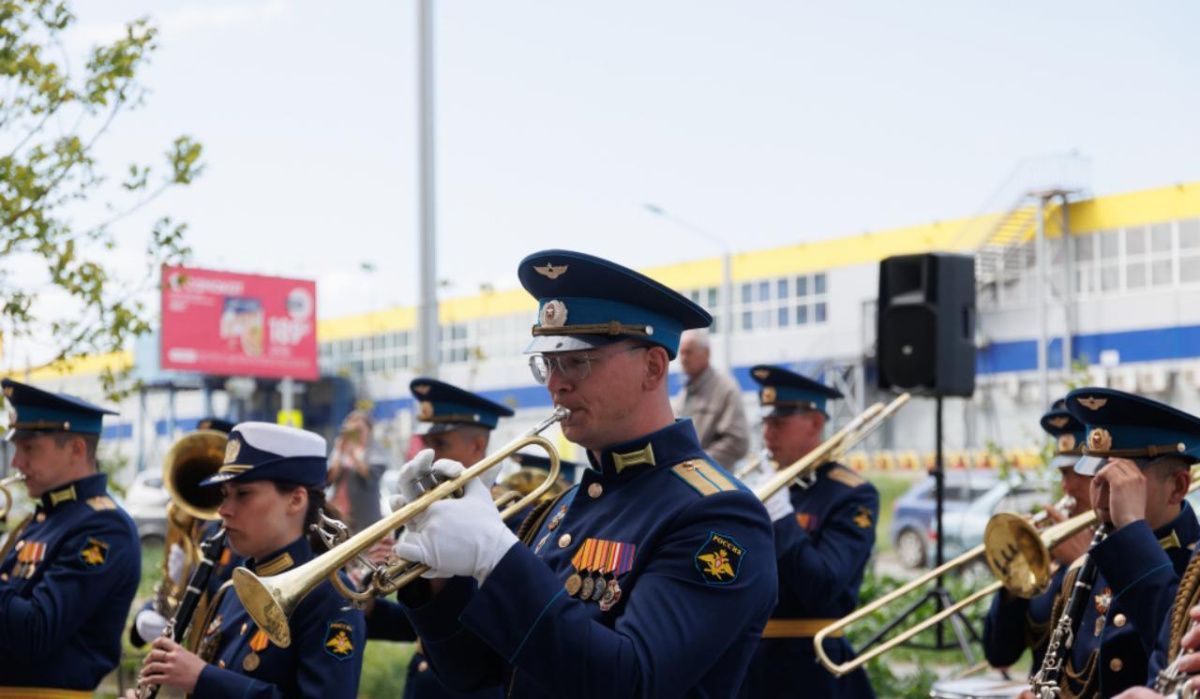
(957, 622)
(891, 625)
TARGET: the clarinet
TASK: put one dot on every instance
(210, 550)
(1046, 682)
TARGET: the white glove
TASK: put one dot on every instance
(149, 624)
(412, 472)
(459, 536)
(175, 561)
(779, 505)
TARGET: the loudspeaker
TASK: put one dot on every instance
(926, 324)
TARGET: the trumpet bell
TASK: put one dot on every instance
(267, 603)
(194, 457)
(1016, 554)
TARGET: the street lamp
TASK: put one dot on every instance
(726, 277)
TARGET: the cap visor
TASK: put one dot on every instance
(220, 478)
(1064, 461)
(1088, 465)
(569, 343)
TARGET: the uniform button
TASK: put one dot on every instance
(423, 666)
(1119, 620)
(595, 490)
(1115, 665)
(564, 541)
(41, 517)
(221, 664)
(245, 626)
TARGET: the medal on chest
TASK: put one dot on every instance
(1103, 602)
(597, 564)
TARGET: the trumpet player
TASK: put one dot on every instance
(68, 574)
(824, 532)
(1139, 451)
(272, 483)
(654, 575)
(1014, 623)
(456, 425)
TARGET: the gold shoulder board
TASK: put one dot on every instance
(703, 477)
(845, 476)
(102, 502)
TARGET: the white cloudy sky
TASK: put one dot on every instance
(765, 122)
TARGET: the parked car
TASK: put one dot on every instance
(146, 501)
(971, 498)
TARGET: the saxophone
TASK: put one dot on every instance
(1047, 682)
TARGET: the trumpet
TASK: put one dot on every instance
(6, 493)
(854, 432)
(1017, 554)
(271, 600)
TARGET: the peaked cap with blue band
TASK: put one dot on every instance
(586, 302)
(216, 424)
(43, 411)
(783, 392)
(264, 451)
(1124, 425)
(1068, 433)
(566, 469)
(447, 407)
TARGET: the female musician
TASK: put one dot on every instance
(271, 482)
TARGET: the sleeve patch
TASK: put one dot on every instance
(338, 641)
(703, 477)
(862, 518)
(845, 476)
(94, 553)
(719, 559)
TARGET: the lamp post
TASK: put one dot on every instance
(726, 277)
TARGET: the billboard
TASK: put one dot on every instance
(231, 324)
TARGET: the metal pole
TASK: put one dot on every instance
(940, 504)
(1068, 291)
(427, 320)
(1040, 290)
(727, 309)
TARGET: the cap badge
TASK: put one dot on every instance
(1066, 442)
(551, 271)
(424, 410)
(1099, 439)
(553, 314)
(1059, 422)
(768, 395)
(232, 447)
(762, 373)
(421, 389)
(1092, 403)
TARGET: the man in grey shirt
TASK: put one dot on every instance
(713, 401)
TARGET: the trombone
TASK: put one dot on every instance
(271, 600)
(854, 432)
(1018, 555)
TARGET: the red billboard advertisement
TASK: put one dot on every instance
(231, 324)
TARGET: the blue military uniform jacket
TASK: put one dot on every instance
(688, 565)
(1138, 574)
(66, 588)
(1014, 623)
(324, 659)
(821, 553)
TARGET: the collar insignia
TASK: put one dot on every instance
(276, 566)
(1092, 403)
(644, 455)
(60, 496)
(551, 271)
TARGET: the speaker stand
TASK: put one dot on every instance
(964, 633)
